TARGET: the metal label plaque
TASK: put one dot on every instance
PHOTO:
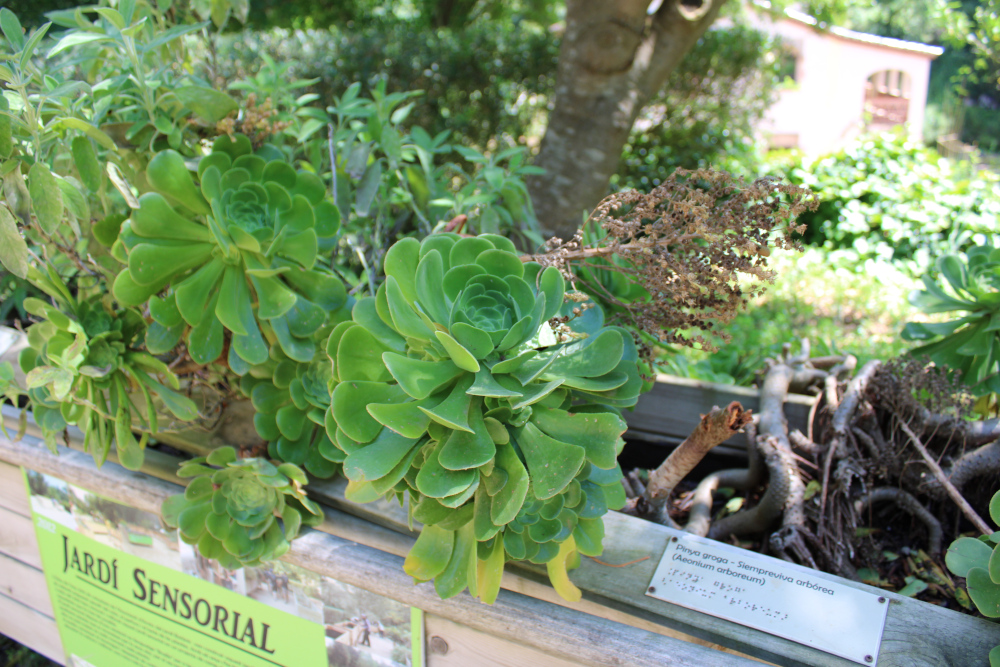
(770, 595)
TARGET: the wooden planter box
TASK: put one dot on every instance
(363, 545)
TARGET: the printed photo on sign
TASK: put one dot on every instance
(362, 629)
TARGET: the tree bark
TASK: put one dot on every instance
(615, 56)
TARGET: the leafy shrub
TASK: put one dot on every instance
(888, 198)
(487, 81)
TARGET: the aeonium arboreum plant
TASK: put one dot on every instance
(83, 367)
(978, 560)
(238, 251)
(451, 386)
(290, 401)
(230, 512)
(969, 343)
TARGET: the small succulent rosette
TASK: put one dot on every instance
(290, 401)
(453, 386)
(230, 512)
(238, 252)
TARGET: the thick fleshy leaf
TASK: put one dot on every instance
(151, 264)
(597, 433)
(459, 355)
(437, 482)
(234, 300)
(454, 410)
(552, 464)
(419, 378)
(168, 173)
(206, 338)
(966, 553)
(377, 460)
(401, 264)
(508, 501)
(983, 591)
(461, 566)
(489, 572)
(405, 319)
(429, 279)
(156, 219)
(472, 449)
(407, 418)
(194, 293)
(430, 554)
(359, 357)
(350, 401)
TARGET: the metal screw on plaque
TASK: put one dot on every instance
(652, 589)
(439, 645)
(673, 539)
(881, 599)
(868, 658)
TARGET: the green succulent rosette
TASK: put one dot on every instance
(231, 511)
(238, 252)
(451, 385)
(290, 401)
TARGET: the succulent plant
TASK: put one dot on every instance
(969, 343)
(451, 385)
(291, 400)
(230, 512)
(82, 368)
(238, 252)
(978, 560)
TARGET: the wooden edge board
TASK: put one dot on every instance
(25, 584)
(13, 493)
(31, 628)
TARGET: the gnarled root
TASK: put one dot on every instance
(909, 504)
(714, 428)
(784, 495)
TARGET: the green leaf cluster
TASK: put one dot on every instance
(83, 366)
(969, 343)
(978, 560)
(238, 252)
(290, 401)
(231, 507)
(451, 386)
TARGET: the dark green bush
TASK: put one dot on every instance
(889, 198)
(489, 80)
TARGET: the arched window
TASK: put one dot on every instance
(887, 99)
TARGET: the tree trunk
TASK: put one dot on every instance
(615, 56)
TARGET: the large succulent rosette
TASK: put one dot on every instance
(238, 251)
(450, 385)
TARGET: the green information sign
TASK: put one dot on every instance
(126, 592)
